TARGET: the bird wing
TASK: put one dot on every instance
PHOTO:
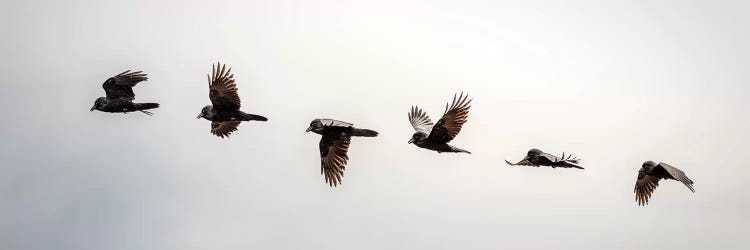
(564, 162)
(644, 187)
(121, 85)
(335, 123)
(453, 119)
(677, 175)
(524, 162)
(333, 148)
(551, 157)
(222, 90)
(419, 120)
(224, 129)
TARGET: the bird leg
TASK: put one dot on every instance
(147, 112)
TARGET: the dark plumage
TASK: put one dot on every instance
(225, 112)
(649, 176)
(120, 96)
(334, 143)
(436, 137)
(536, 158)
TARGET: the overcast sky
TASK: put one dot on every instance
(613, 82)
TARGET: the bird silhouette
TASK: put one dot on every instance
(649, 176)
(224, 113)
(334, 144)
(536, 158)
(120, 96)
(435, 137)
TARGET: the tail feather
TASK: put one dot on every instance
(572, 165)
(458, 150)
(252, 117)
(145, 106)
(364, 132)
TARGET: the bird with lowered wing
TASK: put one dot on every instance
(649, 176)
(334, 144)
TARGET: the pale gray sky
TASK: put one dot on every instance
(614, 82)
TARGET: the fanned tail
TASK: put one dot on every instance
(571, 161)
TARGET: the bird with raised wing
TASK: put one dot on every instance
(536, 158)
(435, 137)
(119, 94)
(224, 113)
(334, 144)
(649, 176)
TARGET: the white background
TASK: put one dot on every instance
(614, 82)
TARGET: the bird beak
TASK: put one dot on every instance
(199, 116)
(92, 108)
(308, 129)
(410, 141)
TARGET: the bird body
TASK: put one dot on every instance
(123, 106)
(438, 147)
(224, 113)
(649, 176)
(333, 131)
(435, 137)
(536, 158)
(219, 115)
(120, 95)
(334, 145)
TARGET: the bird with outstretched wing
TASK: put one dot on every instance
(436, 136)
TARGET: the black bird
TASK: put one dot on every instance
(225, 113)
(436, 137)
(536, 158)
(649, 176)
(120, 94)
(334, 143)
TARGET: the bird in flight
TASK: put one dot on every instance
(536, 158)
(334, 143)
(120, 96)
(435, 137)
(649, 176)
(224, 113)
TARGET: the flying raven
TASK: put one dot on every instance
(120, 96)
(536, 158)
(435, 137)
(334, 143)
(224, 114)
(649, 176)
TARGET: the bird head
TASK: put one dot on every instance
(110, 80)
(648, 165)
(204, 111)
(533, 154)
(98, 103)
(315, 126)
(417, 137)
